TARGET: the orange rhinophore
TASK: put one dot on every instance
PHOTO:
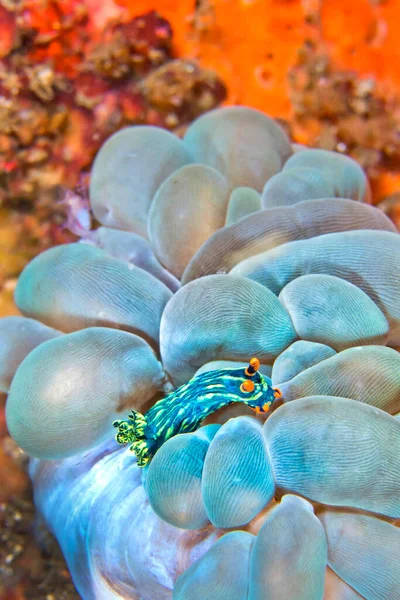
(253, 367)
(247, 386)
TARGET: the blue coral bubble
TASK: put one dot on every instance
(267, 229)
(221, 574)
(74, 286)
(127, 171)
(345, 175)
(18, 336)
(221, 317)
(289, 555)
(216, 365)
(242, 202)
(134, 249)
(364, 552)
(237, 480)
(299, 356)
(295, 185)
(334, 312)
(67, 392)
(330, 450)
(187, 208)
(368, 259)
(173, 482)
(242, 143)
(369, 374)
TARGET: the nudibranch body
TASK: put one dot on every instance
(183, 410)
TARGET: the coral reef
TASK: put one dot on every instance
(329, 70)
(66, 84)
(211, 251)
(71, 74)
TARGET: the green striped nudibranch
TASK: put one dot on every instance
(183, 410)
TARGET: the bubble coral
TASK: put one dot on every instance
(241, 260)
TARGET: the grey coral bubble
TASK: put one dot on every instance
(242, 202)
(242, 143)
(369, 374)
(291, 186)
(337, 589)
(188, 207)
(127, 171)
(132, 248)
(271, 228)
(18, 337)
(222, 573)
(344, 174)
(289, 555)
(299, 356)
(364, 552)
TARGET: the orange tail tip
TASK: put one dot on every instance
(261, 410)
(277, 393)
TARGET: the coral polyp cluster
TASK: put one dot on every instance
(226, 244)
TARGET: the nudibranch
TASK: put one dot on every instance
(184, 409)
